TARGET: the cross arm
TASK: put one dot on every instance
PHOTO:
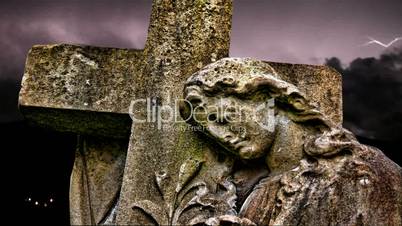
(321, 84)
(80, 89)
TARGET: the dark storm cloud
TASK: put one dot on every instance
(8, 99)
(372, 95)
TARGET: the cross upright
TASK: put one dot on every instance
(183, 37)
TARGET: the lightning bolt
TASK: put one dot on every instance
(373, 41)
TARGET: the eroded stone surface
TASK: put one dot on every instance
(80, 89)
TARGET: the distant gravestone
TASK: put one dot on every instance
(153, 168)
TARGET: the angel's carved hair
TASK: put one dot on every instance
(245, 78)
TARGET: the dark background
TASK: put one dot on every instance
(38, 162)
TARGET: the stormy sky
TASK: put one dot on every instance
(295, 31)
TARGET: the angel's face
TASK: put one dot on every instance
(235, 123)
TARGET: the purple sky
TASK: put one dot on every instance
(308, 31)
(296, 31)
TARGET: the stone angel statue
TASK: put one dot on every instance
(317, 172)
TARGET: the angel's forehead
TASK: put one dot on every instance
(234, 72)
(233, 67)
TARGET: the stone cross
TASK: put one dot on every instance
(89, 91)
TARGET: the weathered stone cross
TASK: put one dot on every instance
(88, 91)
